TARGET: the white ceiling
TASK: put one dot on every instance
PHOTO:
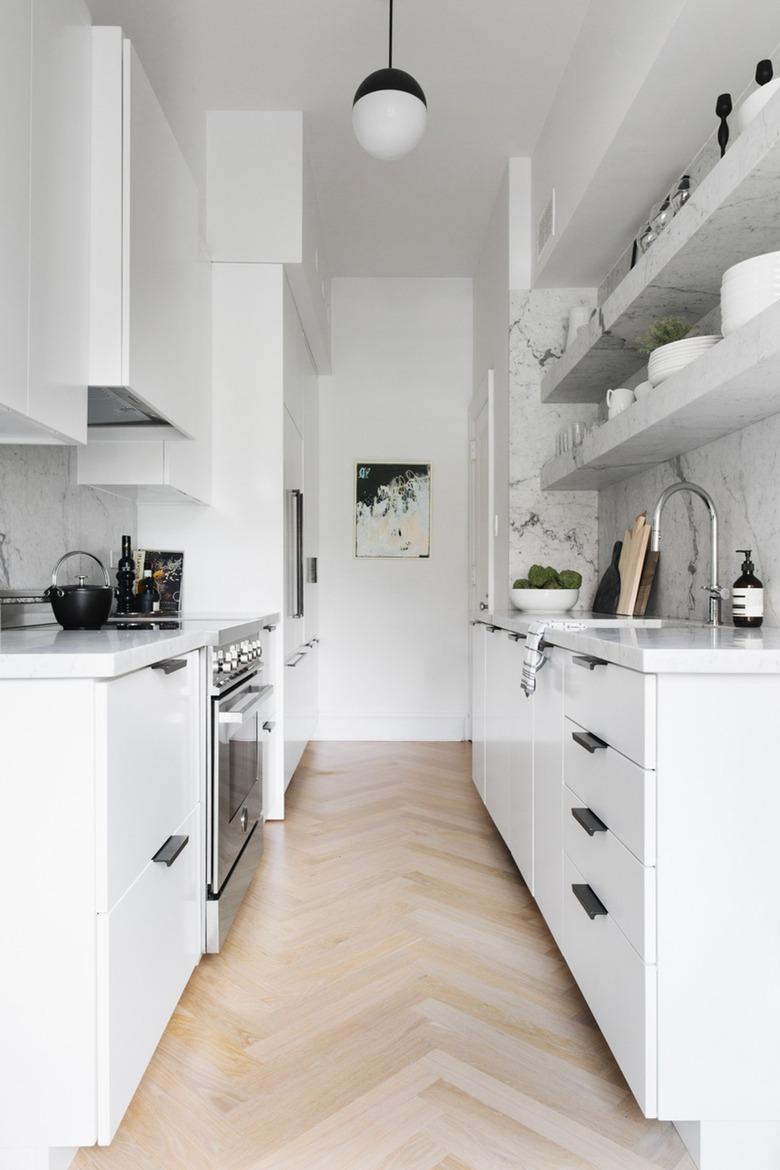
(489, 69)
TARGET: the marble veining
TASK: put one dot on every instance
(44, 513)
(741, 472)
(557, 528)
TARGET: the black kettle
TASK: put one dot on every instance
(82, 606)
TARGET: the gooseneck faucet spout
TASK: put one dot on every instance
(716, 593)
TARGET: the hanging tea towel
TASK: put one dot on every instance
(534, 649)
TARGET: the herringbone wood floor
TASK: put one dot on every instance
(389, 999)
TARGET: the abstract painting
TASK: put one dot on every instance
(393, 510)
(168, 572)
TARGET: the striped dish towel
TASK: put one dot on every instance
(534, 659)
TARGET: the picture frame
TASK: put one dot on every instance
(392, 510)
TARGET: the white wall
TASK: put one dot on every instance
(394, 650)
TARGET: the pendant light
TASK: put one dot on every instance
(389, 110)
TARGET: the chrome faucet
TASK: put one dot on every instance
(716, 593)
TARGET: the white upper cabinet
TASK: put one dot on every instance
(144, 277)
(44, 226)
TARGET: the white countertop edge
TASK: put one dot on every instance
(654, 646)
(49, 652)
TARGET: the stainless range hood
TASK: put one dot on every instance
(114, 406)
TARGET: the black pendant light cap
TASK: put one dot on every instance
(390, 79)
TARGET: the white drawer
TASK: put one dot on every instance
(619, 988)
(616, 704)
(616, 789)
(147, 769)
(147, 947)
(623, 884)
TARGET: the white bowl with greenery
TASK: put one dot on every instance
(544, 600)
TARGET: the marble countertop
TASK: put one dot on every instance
(48, 651)
(653, 645)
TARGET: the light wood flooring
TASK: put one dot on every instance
(389, 999)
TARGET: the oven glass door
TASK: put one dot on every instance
(238, 773)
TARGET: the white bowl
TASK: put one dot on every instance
(544, 600)
(670, 359)
(767, 261)
(754, 103)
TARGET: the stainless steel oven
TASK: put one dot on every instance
(241, 715)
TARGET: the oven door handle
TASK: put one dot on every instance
(241, 711)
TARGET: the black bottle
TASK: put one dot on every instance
(125, 576)
(147, 594)
(747, 605)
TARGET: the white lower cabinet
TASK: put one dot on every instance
(654, 813)
(147, 947)
(108, 922)
(300, 704)
(619, 987)
(478, 696)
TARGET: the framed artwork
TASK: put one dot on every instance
(168, 572)
(393, 510)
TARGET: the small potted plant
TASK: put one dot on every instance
(546, 589)
(672, 344)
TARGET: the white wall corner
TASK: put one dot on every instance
(254, 185)
(520, 232)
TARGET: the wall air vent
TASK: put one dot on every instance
(545, 228)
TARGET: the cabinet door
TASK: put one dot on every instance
(548, 791)
(162, 255)
(15, 201)
(141, 795)
(296, 667)
(59, 216)
(498, 667)
(478, 684)
(147, 948)
(520, 733)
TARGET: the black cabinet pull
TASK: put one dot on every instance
(269, 629)
(589, 741)
(588, 662)
(268, 726)
(593, 906)
(170, 665)
(517, 637)
(168, 852)
(589, 821)
(492, 629)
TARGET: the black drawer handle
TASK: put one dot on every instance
(589, 821)
(493, 629)
(593, 906)
(588, 662)
(168, 852)
(269, 629)
(518, 637)
(170, 665)
(268, 726)
(589, 741)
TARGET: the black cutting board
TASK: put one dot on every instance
(608, 592)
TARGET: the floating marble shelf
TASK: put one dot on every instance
(732, 215)
(734, 384)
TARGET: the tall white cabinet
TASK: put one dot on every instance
(45, 74)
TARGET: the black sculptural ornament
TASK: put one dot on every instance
(723, 108)
(764, 72)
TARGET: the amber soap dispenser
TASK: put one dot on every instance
(747, 605)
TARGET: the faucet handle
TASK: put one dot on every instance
(716, 591)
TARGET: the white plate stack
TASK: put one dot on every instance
(670, 359)
(747, 289)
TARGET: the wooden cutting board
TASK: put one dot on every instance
(636, 542)
(646, 584)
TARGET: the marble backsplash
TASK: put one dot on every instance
(741, 472)
(555, 528)
(44, 513)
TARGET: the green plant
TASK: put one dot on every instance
(663, 332)
(546, 577)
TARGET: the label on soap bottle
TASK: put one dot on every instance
(747, 603)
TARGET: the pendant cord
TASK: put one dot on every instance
(390, 62)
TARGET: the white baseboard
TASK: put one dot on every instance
(411, 728)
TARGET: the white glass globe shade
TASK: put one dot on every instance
(388, 123)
